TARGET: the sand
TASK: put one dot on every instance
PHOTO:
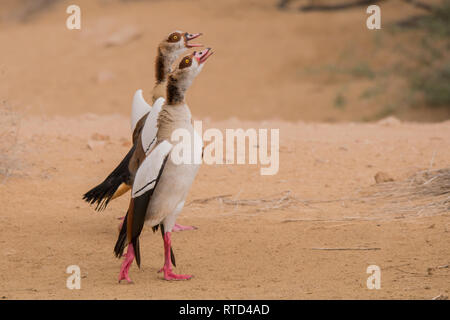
(238, 252)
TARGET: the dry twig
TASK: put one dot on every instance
(344, 249)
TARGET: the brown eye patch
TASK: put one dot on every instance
(185, 62)
(174, 37)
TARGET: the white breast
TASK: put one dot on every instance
(173, 187)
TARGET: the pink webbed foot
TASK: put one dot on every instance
(169, 275)
(167, 268)
(178, 227)
(126, 264)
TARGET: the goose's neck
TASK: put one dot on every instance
(175, 91)
(162, 66)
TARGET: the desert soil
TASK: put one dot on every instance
(258, 251)
(258, 236)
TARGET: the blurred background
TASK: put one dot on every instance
(291, 60)
(381, 188)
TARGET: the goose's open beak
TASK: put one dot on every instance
(192, 36)
(201, 56)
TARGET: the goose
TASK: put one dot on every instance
(161, 184)
(119, 181)
(168, 51)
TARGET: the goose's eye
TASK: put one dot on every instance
(185, 62)
(174, 37)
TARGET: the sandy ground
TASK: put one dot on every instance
(241, 252)
(73, 94)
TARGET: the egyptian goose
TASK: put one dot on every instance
(120, 179)
(161, 184)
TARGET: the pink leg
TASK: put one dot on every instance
(167, 269)
(126, 264)
(178, 227)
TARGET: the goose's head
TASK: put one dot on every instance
(178, 42)
(191, 65)
(181, 78)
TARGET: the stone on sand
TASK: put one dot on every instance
(381, 177)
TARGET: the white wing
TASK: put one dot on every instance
(139, 108)
(148, 172)
(148, 135)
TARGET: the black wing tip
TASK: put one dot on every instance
(100, 195)
(121, 243)
(119, 247)
(100, 204)
(121, 239)
(172, 257)
(137, 251)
